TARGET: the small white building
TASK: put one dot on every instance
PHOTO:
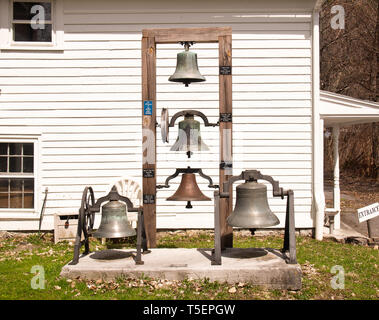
(70, 103)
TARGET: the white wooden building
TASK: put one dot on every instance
(70, 103)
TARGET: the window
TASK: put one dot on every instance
(32, 21)
(17, 175)
(31, 25)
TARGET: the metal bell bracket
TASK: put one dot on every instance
(192, 113)
(86, 220)
(165, 124)
(289, 245)
(188, 170)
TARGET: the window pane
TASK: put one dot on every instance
(16, 200)
(28, 149)
(16, 185)
(24, 32)
(28, 164)
(15, 148)
(28, 201)
(14, 164)
(3, 148)
(23, 10)
(3, 164)
(3, 200)
(29, 185)
(3, 185)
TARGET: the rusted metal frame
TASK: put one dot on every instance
(195, 113)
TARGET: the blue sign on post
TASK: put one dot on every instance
(148, 107)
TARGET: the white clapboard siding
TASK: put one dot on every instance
(85, 101)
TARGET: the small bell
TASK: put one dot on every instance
(114, 222)
(188, 191)
(252, 209)
(187, 70)
(189, 138)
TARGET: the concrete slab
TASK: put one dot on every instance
(259, 266)
(344, 233)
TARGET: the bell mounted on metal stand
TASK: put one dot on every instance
(252, 209)
(188, 189)
(114, 222)
(187, 70)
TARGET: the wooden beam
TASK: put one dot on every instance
(149, 136)
(225, 101)
(187, 34)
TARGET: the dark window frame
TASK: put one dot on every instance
(15, 22)
(18, 187)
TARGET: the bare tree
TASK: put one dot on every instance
(349, 65)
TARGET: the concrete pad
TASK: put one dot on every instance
(258, 266)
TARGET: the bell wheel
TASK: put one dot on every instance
(87, 217)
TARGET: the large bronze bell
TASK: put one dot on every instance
(189, 138)
(188, 191)
(252, 210)
(187, 70)
(114, 221)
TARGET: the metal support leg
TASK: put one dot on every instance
(139, 238)
(289, 234)
(144, 238)
(78, 239)
(216, 253)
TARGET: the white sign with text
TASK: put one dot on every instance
(368, 212)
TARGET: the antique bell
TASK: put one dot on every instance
(114, 221)
(187, 70)
(252, 210)
(189, 138)
(188, 191)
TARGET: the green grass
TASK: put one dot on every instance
(19, 254)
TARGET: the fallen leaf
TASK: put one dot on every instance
(232, 290)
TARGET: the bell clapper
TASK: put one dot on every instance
(189, 205)
(189, 154)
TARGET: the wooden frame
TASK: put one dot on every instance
(150, 38)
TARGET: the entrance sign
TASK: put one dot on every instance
(368, 212)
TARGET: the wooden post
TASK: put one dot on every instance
(226, 161)
(148, 137)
